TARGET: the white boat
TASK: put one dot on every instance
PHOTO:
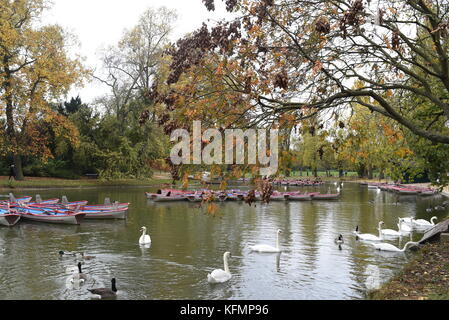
(298, 197)
(51, 217)
(105, 214)
(326, 196)
(161, 198)
(408, 192)
(8, 218)
(277, 197)
(194, 198)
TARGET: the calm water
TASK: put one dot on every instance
(187, 243)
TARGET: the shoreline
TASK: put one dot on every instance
(425, 277)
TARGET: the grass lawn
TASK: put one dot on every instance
(31, 182)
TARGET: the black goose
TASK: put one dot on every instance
(105, 293)
(339, 240)
(80, 276)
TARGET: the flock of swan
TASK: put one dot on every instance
(405, 226)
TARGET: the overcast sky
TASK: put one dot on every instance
(99, 23)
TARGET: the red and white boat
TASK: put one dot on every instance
(298, 197)
(8, 218)
(40, 215)
(320, 196)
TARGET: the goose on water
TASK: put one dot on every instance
(105, 293)
(84, 257)
(144, 238)
(367, 236)
(219, 275)
(79, 276)
(267, 248)
(339, 240)
(389, 247)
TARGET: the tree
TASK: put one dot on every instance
(133, 64)
(303, 57)
(35, 68)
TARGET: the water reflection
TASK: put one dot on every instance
(187, 243)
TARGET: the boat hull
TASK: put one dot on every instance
(9, 220)
(117, 214)
(169, 199)
(298, 197)
(326, 197)
(56, 219)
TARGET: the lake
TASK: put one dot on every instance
(188, 243)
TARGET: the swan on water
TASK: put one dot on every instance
(266, 247)
(424, 223)
(389, 247)
(105, 293)
(408, 221)
(389, 232)
(219, 275)
(404, 227)
(145, 238)
(367, 236)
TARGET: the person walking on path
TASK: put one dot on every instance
(12, 173)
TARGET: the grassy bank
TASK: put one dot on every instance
(46, 183)
(424, 278)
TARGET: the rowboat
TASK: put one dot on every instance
(326, 196)
(41, 215)
(12, 199)
(427, 193)
(298, 197)
(8, 218)
(407, 191)
(221, 197)
(161, 198)
(105, 214)
(232, 197)
(151, 195)
(114, 206)
(194, 198)
(277, 197)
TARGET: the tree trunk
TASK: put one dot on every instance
(18, 167)
(340, 173)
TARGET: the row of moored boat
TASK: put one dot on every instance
(402, 189)
(170, 195)
(56, 211)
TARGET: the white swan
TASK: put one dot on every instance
(144, 239)
(389, 232)
(408, 221)
(219, 275)
(367, 236)
(424, 223)
(389, 247)
(268, 248)
(404, 227)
